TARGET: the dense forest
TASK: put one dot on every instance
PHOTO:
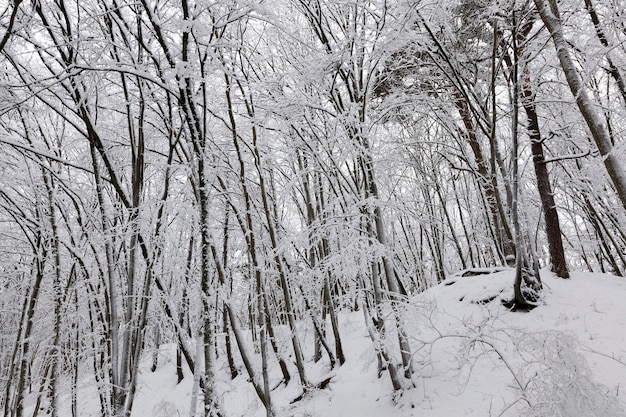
(226, 175)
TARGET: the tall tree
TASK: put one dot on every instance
(550, 14)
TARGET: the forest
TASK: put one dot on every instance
(229, 177)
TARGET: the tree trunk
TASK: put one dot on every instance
(558, 264)
(548, 10)
(612, 69)
(550, 213)
(391, 279)
(55, 349)
(486, 179)
(519, 301)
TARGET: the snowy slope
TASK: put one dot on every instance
(565, 358)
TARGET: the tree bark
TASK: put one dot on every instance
(612, 70)
(558, 264)
(549, 12)
(7, 34)
(486, 179)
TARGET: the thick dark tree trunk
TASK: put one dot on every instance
(550, 213)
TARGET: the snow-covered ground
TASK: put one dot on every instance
(565, 358)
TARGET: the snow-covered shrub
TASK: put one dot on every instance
(557, 380)
(548, 375)
(165, 409)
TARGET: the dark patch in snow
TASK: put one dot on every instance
(319, 386)
(514, 306)
(473, 272)
(487, 300)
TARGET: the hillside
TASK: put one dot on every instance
(565, 358)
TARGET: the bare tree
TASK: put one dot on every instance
(549, 12)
